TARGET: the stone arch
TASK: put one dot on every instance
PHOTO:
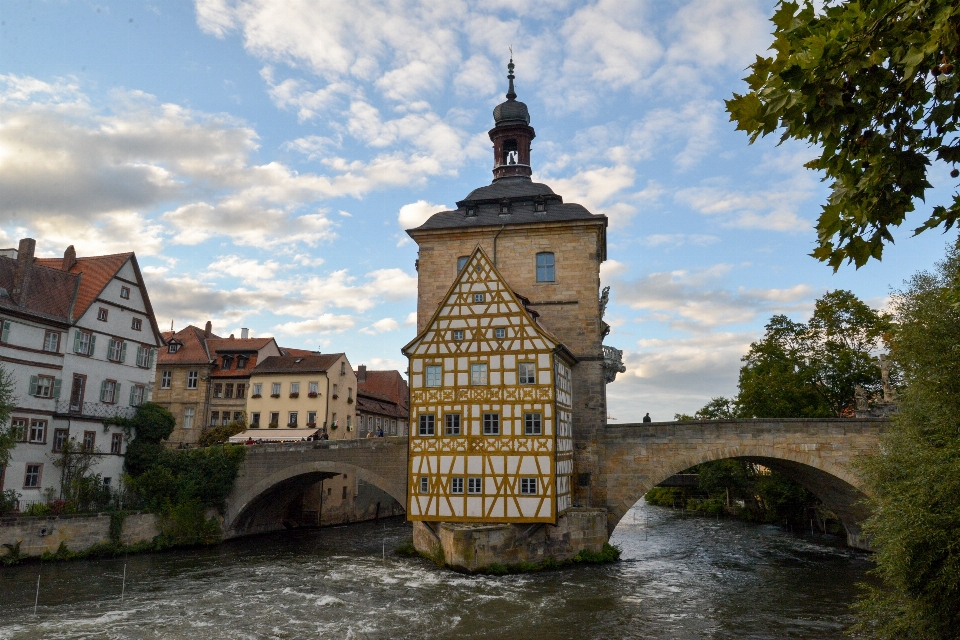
(833, 483)
(239, 507)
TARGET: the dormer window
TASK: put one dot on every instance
(242, 362)
(173, 347)
(539, 205)
(471, 211)
(504, 207)
(227, 361)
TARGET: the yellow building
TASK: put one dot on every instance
(299, 392)
(490, 410)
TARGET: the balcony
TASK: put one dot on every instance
(612, 363)
(95, 410)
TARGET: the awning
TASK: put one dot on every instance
(273, 435)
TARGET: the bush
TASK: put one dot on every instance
(9, 500)
(184, 475)
(222, 433)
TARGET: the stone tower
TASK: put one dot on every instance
(549, 253)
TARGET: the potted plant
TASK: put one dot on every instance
(256, 395)
(312, 425)
(312, 394)
(273, 425)
(334, 425)
(295, 395)
(350, 400)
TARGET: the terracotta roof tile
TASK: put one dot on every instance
(297, 352)
(49, 291)
(97, 271)
(386, 383)
(192, 351)
(308, 364)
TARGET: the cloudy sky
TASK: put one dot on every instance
(262, 158)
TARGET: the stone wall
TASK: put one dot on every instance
(472, 547)
(77, 532)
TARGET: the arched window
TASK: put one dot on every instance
(510, 154)
(545, 267)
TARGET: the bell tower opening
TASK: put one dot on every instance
(511, 136)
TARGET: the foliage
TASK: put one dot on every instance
(9, 500)
(79, 487)
(150, 426)
(186, 524)
(13, 555)
(181, 476)
(8, 436)
(915, 475)
(873, 85)
(221, 434)
(812, 370)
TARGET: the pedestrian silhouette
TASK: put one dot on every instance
(646, 418)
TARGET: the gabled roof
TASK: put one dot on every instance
(297, 352)
(388, 384)
(96, 271)
(379, 404)
(193, 351)
(295, 364)
(236, 345)
(49, 294)
(480, 269)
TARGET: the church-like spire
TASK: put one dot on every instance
(511, 94)
(511, 134)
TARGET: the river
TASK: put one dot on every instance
(678, 578)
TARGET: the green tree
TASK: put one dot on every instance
(8, 436)
(150, 426)
(873, 85)
(915, 474)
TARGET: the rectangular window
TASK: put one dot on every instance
(275, 389)
(137, 324)
(311, 418)
(293, 419)
(83, 343)
(173, 347)
(116, 350)
(255, 419)
(108, 391)
(44, 387)
(545, 267)
(228, 390)
(192, 378)
(456, 485)
(257, 389)
(218, 390)
(214, 418)
(314, 389)
(20, 427)
(238, 416)
(500, 333)
(116, 444)
(491, 424)
(143, 356)
(31, 479)
(336, 391)
(51, 341)
(59, 439)
(458, 334)
(136, 395)
(427, 424)
(474, 485)
(424, 484)
(225, 418)
(275, 418)
(295, 387)
(241, 389)
(125, 293)
(77, 392)
(461, 263)
(527, 372)
(227, 361)
(89, 440)
(102, 314)
(528, 486)
(478, 374)
(242, 362)
(38, 431)
(532, 424)
(343, 368)
(478, 297)
(451, 423)
(165, 378)
(188, 414)
(434, 376)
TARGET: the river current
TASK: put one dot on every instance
(678, 578)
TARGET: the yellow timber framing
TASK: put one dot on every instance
(500, 461)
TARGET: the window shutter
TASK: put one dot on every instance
(132, 389)
(34, 380)
(116, 393)
(123, 352)
(76, 341)
(139, 355)
(56, 387)
(93, 342)
(150, 357)
(103, 391)
(4, 330)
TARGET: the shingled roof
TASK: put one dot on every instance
(49, 295)
(295, 364)
(193, 348)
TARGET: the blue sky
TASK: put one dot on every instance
(262, 157)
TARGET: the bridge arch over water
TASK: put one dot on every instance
(274, 477)
(817, 453)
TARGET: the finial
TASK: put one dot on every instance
(511, 94)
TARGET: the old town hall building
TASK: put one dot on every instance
(508, 370)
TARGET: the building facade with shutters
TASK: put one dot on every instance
(79, 339)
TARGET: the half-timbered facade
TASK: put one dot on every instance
(490, 411)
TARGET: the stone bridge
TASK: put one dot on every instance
(633, 458)
(274, 477)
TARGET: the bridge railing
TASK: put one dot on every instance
(328, 444)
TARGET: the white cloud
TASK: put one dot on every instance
(416, 213)
(325, 323)
(411, 319)
(381, 326)
(679, 239)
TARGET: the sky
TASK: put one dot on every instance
(263, 158)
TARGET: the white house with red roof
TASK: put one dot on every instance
(79, 338)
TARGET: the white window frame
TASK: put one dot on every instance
(479, 297)
(108, 392)
(136, 324)
(528, 486)
(491, 424)
(193, 379)
(452, 424)
(434, 375)
(102, 314)
(47, 346)
(292, 419)
(189, 413)
(424, 484)
(125, 293)
(474, 485)
(137, 393)
(166, 377)
(458, 334)
(524, 375)
(532, 423)
(500, 333)
(427, 424)
(45, 386)
(294, 387)
(456, 486)
(314, 387)
(478, 373)
(275, 389)
(37, 427)
(257, 388)
(38, 475)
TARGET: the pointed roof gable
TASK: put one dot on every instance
(479, 275)
(193, 350)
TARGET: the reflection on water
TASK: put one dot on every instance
(693, 578)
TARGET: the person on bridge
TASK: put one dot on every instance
(647, 418)
(380, 432)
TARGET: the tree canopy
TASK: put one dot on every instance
(873, 85)
(8, 439)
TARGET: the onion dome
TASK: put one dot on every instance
(512, 111)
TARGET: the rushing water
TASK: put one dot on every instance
(678, 578)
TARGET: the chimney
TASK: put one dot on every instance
(208, 329)
(244, 334)
(69, 258)
(362, 373)
(21, 277)
(231, 336)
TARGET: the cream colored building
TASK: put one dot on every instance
(301, 392)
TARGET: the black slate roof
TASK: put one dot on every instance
(513, 187)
